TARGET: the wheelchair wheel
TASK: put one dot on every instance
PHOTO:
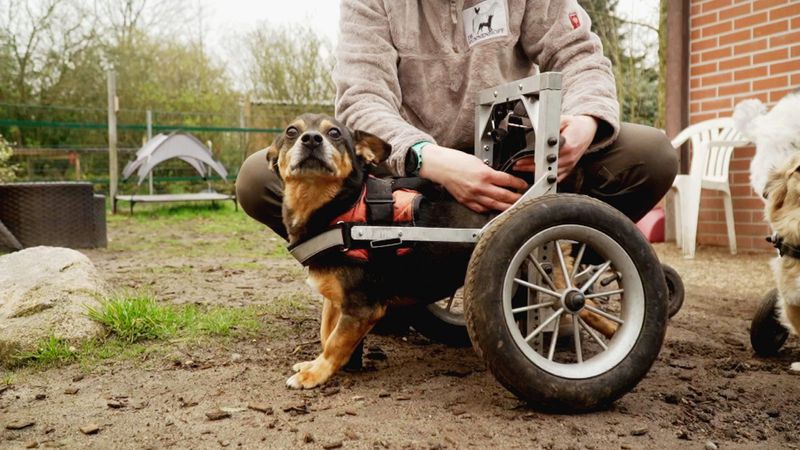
(443, 321)
(767, 334)
(527, 282)
(675, 289)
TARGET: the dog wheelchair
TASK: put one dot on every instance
(564, 298)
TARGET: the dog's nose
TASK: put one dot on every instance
(311, 139)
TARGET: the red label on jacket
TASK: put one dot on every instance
(574, 20)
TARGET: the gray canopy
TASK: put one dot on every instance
(174, 145)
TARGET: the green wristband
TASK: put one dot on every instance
(417, 148)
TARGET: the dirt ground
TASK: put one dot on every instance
(706, 390)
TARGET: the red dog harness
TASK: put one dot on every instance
(381, 202)
(369, 209)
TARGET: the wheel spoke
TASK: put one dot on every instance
(577, 337)
(600, 312)
(563, 265)
(537, 288)
(606, 293)
(544, 324)
(595, 276)
(531, 307)
(450, 302)
(553, 340)
(592, 333)
(577, 263)
(541, 271)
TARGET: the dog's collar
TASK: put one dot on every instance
(784, 249)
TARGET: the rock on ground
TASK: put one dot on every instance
(44, 291)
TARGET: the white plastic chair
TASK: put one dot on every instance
(712, 144)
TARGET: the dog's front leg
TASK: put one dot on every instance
(352, 326)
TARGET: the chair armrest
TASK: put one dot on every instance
(733, 144)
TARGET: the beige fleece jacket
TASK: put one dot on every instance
(409, 70)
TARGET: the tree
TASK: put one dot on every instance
(291, 65)
(636, 76)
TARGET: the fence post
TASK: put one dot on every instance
(242, 136)
(113, 167)
(150, 136)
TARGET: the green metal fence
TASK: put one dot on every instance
(56, 142)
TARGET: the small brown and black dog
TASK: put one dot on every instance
(324, 167)
(782, 194)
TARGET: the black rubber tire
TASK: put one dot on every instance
(675, 288)
(489, 331)
(436, 329)
(767, 334)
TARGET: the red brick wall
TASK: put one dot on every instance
(740, 49)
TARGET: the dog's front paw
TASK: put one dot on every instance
(302, 365)
(795, 367)
(305, 380)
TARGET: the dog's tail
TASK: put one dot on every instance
(745, 113)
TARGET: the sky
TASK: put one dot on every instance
(224, 16)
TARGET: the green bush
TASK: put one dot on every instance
(6, 169)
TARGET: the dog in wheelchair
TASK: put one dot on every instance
(782, 194)
(325, 170)
(775, 175)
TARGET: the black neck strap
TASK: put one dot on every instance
(784, 249)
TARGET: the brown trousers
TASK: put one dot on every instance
(632, 174)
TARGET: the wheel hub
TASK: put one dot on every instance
(574, 301)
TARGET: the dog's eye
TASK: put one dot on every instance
(334, 133)
(292, 132)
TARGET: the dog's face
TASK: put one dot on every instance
(782, 194)
(319, 159)
(317, 147)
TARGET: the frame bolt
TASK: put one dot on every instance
(552, 141)
(551, 158)
(486, 161)
(486, 148)
(520, 87)
(495, 93)
(551, 179)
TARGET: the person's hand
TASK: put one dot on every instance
(469, 180)
(578, 133)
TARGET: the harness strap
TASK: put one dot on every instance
(310, 248)
(380, 202)
(380, 211)
(784, 249)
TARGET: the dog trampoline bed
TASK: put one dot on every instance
(164, 147)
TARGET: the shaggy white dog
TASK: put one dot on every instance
(776, 134)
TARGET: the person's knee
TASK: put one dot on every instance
(662, 160)
(258, 189)
(657, 155)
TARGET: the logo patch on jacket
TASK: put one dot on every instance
(485, 20)
(574, 20)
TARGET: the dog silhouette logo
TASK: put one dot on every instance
(486, 20)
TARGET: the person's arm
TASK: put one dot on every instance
(368, 93)
(556, 36)
(369, 98)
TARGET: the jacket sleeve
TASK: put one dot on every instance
(368, 95)
(556, 35)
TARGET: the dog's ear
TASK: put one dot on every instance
(273, 151)
(372, 149)
(775, 189)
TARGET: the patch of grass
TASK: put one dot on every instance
(7, 379)
(140, 317)
(50, 351)
(136, 323)
(136, 318)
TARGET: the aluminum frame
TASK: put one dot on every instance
(541, 96)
